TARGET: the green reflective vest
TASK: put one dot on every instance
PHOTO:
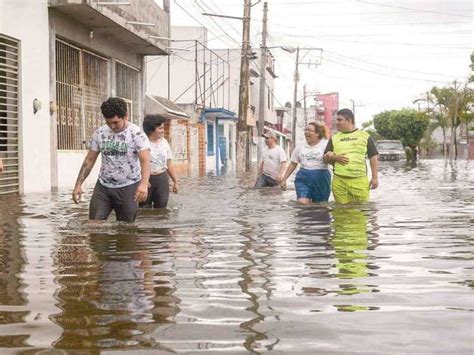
(354, 146)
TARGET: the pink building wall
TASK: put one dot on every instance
(328, 105)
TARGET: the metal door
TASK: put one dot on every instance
(9, 118)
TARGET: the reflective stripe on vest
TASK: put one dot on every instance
(354, 146)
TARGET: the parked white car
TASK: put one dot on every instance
(391, 150)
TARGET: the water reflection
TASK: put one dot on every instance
(232, 269)
(114, 291)
(351, 246)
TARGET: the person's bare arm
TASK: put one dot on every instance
(287, 174)
(281, 171)
(374, 167)
(260, 168)
(86, 169)
(1, 166)
(142, 189)
(331, 158)
(173, 176)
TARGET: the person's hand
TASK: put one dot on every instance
(141, 193)
(175, 188)
(374, 183)
(77, 194)
(341, 159)
(283, 185)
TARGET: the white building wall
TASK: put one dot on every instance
(27, 21)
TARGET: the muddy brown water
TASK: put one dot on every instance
(232, 269)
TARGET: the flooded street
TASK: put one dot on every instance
(238, 270)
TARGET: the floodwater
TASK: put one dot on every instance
(232, 269)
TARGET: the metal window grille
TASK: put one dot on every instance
(81, 87)
(127, 82)
(9, 118)
(179, 140)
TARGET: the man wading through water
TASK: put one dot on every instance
(347, 150)
(125, 168)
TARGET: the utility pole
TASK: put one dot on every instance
(263, 74)
(243, 139)
(353, 107)
(295, 93)
(454, 141)
(304, 106)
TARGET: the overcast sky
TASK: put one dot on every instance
(381, 54)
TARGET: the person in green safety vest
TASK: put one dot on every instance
(347, 151)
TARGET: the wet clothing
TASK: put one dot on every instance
(313, 180)
(348, 190)
(160, 153)
(119, 152)
(120, 199)
(265, 181)
(356, 145)
(158, 192)
(313, 184)
(350, 182)
(310, 157)
(272, 159)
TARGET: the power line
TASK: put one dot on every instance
(386, 66)
(385, 74)
(438, 45)
(411, 9)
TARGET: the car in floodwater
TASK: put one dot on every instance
(391, 150)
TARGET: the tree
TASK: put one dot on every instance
(369, 128)
(407, 125)
(384, 124)
(410, 125)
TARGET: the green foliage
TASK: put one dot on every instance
(410, 126)
(384, 124)
(407, 125)
(369, 128)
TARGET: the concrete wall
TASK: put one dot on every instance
(27, 21)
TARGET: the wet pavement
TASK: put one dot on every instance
(232, 269)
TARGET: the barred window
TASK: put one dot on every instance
(81, 87)
(128, 84)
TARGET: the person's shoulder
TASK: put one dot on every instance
(102, 129)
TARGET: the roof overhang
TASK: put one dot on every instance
(218, 113)
(159, 105)
(89, 16)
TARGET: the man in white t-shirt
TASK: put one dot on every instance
(125, 165)
(273, 164)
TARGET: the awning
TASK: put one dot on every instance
(157, 105)
(219, 113)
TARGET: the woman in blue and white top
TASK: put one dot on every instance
(161, 163)
(313, 180)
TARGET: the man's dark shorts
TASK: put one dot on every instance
(265, 181)
(120, 199)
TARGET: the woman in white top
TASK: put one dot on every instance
(313, 180)
(161, 163)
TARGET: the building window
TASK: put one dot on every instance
(210, 138)
(127, 82)
(81, 87)
(179, 141)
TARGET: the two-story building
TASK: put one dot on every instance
(59, 60)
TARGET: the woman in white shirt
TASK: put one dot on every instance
(161, 163)
(313, 180)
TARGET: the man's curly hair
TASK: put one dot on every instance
(114, 106)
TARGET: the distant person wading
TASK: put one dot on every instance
(161, 163)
